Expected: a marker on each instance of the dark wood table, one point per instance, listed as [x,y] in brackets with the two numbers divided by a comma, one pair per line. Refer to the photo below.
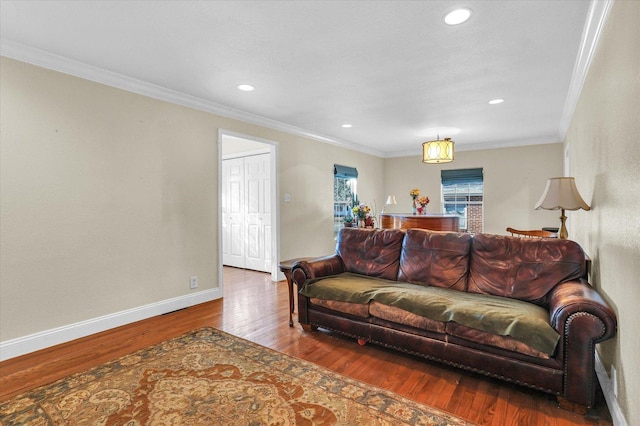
[285,266]
[434,222]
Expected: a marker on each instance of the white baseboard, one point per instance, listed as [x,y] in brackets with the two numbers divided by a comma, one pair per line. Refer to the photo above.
[607,389]
[44,339]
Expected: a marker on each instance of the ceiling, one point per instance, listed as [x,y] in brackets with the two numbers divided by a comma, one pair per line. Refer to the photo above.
[392,69]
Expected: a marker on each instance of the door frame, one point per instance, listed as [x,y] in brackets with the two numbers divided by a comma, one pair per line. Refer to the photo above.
[272,148]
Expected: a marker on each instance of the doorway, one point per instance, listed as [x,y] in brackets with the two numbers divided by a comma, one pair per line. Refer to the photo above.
[248,204]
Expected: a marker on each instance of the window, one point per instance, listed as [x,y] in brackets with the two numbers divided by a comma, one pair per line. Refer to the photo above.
[344,194]
[462,195]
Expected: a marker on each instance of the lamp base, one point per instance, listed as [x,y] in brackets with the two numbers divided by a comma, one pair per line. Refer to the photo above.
[563,228]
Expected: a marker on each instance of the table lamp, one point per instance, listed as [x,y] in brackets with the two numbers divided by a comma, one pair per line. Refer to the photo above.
[391,200]
[561,193]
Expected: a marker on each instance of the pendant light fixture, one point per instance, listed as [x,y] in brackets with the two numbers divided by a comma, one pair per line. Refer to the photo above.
[438,151]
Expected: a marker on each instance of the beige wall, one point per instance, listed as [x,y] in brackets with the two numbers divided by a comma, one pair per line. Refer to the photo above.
[305,171]
[604,146]
[109,199]
[514,179]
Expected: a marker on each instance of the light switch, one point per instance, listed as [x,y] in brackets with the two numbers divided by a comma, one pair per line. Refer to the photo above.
[287,197]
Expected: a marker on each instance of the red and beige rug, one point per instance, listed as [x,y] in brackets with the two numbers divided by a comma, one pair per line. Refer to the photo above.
[208,377]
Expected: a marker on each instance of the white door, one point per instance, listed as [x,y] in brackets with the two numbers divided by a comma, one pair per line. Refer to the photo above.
[246,212]
[258,219]
[233,213]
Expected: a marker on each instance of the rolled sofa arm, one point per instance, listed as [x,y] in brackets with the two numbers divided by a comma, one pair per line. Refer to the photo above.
[583,318]
[571,297]
[319,267]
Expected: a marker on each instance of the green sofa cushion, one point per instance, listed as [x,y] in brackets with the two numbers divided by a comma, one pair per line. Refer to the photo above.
[520,320]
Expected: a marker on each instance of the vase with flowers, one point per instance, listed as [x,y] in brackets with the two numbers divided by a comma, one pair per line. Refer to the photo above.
[421,203]
[414,194]
[361,211]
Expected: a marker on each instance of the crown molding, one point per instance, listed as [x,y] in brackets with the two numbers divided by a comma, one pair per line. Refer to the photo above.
[596,18]
[65,65]
[509,144]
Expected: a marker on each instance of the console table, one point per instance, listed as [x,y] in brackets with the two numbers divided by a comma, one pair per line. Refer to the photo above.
[434,222]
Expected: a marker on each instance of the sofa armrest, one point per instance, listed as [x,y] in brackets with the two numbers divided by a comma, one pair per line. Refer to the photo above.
[582,318]
[571,297]
[315,268]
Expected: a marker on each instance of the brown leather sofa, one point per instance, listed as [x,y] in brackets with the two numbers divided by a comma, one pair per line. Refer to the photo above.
[516,309]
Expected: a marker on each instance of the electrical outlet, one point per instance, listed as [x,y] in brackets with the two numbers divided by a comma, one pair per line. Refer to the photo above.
[614,381]
[193,282]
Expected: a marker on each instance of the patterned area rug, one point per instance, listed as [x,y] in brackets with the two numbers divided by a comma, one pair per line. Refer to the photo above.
[208,377]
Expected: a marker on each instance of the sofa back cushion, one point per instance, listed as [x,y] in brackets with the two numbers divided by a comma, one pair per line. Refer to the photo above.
[522,268]
[439,259]
[372,252]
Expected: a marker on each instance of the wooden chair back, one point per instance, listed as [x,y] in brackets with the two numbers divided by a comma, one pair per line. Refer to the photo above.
[535,233]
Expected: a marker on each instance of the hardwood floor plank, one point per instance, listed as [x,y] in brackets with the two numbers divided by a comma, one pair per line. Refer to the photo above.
[255,308]
[484,402]
[462,400]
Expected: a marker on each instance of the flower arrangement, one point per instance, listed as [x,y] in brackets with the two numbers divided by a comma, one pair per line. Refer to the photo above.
[423,201]
[361,211]
[421,204]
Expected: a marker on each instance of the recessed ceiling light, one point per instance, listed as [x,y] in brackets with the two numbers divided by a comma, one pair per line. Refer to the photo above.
[496,101]
[347,126]
[245,87]
[457,16]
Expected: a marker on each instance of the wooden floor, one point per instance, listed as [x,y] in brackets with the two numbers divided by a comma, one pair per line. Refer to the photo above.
[256,308]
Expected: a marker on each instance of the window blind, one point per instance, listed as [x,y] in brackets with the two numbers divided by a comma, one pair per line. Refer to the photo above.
[461,176]
[345,172]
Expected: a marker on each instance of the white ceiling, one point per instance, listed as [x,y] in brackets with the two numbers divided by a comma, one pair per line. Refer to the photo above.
[392,69]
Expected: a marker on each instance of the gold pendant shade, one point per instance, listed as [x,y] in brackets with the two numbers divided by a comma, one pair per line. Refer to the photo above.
[438,151]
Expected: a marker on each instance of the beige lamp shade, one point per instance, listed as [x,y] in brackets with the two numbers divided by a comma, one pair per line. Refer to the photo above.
[391,200]
[434,152]
[561,193]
